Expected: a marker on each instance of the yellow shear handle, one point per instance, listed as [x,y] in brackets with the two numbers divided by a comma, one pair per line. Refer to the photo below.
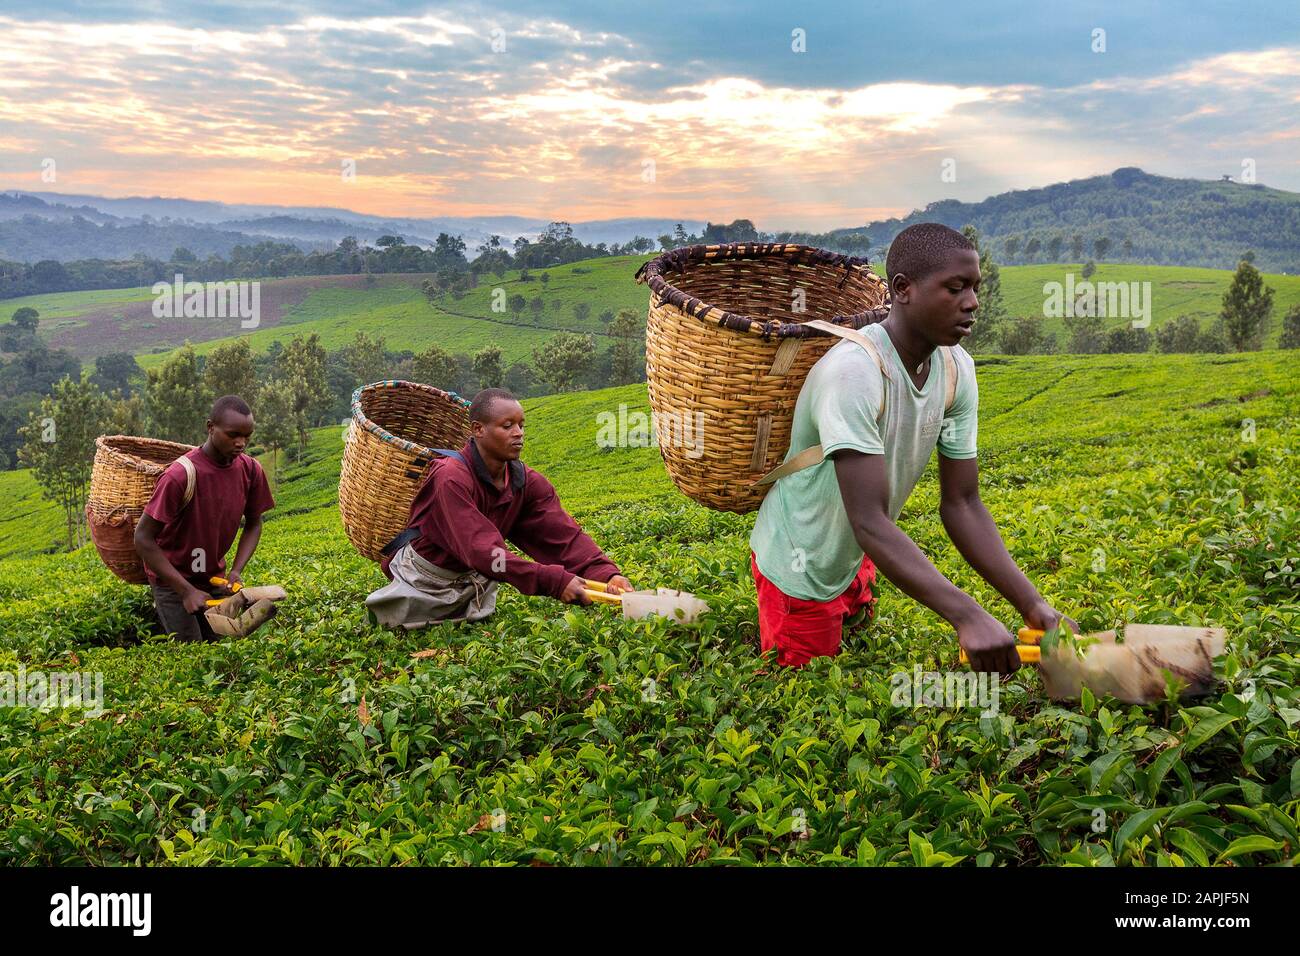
[1029,654]
[234,589]
[598,592]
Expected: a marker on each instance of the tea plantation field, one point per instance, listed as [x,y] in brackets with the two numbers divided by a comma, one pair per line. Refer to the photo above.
[1130,488]
[94,323]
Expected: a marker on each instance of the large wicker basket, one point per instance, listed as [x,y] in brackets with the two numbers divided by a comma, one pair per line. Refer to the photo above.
[390,445]
[122,481]
[726,354]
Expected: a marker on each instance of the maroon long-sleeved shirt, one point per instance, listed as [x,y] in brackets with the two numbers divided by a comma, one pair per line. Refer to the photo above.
[463,521]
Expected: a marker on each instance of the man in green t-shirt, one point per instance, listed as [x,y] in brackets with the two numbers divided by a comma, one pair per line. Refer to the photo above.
[824,529]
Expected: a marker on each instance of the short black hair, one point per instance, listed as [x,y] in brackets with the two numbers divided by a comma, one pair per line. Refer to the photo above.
[229,403]
[920,249]
[481,408]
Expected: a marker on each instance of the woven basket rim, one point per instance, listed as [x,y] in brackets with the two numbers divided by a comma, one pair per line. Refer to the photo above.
[676,260]
[121,458]
[383,434]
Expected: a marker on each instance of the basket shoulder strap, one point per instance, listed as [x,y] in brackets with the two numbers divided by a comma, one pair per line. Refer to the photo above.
[191,479]
[805,459]
[853,335]
[410,533]
[950,378]
[814,455]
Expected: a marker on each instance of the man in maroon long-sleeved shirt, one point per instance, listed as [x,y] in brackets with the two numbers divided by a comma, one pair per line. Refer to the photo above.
[461,518]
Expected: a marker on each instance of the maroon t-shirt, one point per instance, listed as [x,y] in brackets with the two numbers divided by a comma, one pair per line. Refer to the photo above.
[222,496]
[464,520]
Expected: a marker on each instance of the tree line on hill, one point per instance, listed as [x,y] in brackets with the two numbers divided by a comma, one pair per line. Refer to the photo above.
[292,388]
[390,254]
[1134,216]
[158,402]
[300,385]
[1244,317]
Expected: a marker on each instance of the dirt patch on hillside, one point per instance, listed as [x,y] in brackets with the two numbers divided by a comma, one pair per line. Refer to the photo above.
[132,326]
[1258,393]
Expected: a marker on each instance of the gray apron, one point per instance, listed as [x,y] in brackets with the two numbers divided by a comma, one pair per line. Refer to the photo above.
[422,593]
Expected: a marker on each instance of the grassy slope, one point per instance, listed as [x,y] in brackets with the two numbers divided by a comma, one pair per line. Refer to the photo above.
[543,712]
[29,523]
[406,320]
[1175,291]
[401,315]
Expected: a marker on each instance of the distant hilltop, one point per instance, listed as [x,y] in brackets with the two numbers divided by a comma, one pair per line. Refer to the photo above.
[1127,216]
[1140,217]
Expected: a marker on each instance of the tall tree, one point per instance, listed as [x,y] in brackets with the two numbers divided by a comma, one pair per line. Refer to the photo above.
[126,416]
[1247,306]
[365,359]
[487,367]
[1290,338]
[229,371]
[1178,335]
[26,318]
[1076,247]
[59,447]
[302,365]
[564,359]
[1054,249]
[1100,246]
[437,367]
[1032,247]
[1023,335]
[1011,244]
[175,401]
[623,353]
[1087,335]
[116,372]
[276,420]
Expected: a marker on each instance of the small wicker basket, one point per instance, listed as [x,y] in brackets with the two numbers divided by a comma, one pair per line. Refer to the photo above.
[122,481]
[390,445]
[726,354]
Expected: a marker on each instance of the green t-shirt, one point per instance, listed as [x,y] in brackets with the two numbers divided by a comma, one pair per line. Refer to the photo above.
[802,540]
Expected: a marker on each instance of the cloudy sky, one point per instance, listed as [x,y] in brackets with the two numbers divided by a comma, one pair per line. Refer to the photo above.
[795,115]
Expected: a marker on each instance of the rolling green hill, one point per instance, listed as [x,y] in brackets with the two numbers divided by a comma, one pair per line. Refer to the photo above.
[1189,222]
[92,323]
[1175,291]
[1125,486]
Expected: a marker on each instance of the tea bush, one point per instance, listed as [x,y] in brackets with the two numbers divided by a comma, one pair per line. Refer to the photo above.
[1130,488]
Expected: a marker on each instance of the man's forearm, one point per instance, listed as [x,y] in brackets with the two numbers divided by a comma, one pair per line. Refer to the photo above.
[247,545]
[900,560]
[971,528]
[153,556]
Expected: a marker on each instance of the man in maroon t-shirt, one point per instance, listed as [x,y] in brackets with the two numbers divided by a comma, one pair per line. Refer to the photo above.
[456,551]
[184,545]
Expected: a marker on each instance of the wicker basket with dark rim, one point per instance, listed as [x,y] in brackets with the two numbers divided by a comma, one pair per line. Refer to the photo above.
[726,354]
[122,481]
[390,445]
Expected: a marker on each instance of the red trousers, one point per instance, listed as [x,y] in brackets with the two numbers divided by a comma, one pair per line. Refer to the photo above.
[801,630]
